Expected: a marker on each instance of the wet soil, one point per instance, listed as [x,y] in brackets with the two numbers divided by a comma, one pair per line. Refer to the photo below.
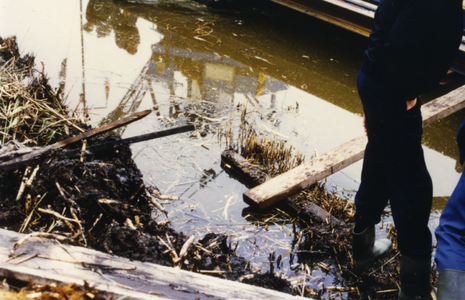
[100,201]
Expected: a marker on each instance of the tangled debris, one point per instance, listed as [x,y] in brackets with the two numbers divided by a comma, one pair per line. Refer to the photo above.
[31,111]
[98,201]
[69,291]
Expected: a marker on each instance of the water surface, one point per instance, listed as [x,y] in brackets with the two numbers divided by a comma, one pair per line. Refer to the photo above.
[193,65]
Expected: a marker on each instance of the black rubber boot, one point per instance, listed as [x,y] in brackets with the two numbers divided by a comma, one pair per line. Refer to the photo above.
[415,279]
[451,284]
[366,249]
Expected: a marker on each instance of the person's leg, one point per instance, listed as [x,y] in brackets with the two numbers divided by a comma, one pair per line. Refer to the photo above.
[450,234]
[410,195]
[371,198]
[450,252]
[410,185]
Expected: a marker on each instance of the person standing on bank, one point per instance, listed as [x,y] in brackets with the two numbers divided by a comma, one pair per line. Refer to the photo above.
[411,47]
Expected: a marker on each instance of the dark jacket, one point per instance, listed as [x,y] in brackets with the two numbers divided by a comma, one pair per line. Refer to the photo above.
[413,44]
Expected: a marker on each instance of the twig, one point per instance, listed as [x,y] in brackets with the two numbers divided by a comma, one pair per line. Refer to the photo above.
[59,216]
[185,247]
[118,284]
[392,258]
[83,150]
[172,251]
[155,202]
[22,187]
[59,115]
[26,259]
[37,234]
[225,211]
[28,219]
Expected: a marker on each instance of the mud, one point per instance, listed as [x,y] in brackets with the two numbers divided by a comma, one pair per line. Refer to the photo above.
[107,196]
[100,201]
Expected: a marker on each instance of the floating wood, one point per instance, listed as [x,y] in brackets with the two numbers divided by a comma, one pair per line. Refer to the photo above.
[253,175]
[311,172]
[131,140]
[31,156]
[45,261]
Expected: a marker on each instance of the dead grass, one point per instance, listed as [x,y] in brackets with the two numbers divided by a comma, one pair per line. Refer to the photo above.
[70,291]
[31,112]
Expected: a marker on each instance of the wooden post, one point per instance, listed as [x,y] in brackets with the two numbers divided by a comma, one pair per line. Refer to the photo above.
[303,176]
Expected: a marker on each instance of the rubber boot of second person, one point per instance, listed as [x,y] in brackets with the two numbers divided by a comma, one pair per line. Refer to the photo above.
[415,279]
[366,249]
[451,284]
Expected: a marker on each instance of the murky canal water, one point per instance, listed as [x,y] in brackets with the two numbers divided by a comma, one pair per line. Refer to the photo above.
[295,74]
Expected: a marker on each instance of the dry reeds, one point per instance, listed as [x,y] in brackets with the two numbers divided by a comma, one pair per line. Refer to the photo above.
[274,155]
[31,112]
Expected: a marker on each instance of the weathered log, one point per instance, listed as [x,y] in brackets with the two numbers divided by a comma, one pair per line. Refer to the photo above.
[251,174]
[46,261]
[254,175]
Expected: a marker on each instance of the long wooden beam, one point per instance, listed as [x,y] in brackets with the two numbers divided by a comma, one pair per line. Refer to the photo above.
[313,9]
[303,176]
[31,156]
[45,261]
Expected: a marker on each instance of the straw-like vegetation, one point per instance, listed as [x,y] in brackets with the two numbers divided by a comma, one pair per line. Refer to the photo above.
[31,112]
[275,156]
[272,154]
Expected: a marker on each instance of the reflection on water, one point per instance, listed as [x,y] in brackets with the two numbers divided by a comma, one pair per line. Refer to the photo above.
[104,17]
[295,75]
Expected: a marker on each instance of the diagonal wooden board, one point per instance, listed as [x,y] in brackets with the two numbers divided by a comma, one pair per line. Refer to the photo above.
[303,176]
[29,157]
[47,261]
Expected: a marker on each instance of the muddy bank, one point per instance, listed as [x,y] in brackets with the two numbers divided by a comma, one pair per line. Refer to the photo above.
[97,200]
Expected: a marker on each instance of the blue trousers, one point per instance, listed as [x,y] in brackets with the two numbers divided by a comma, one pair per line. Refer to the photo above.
[450,253]
[394,168]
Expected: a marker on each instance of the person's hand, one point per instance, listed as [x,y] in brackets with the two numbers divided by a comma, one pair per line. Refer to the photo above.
[365,124]
[411,103]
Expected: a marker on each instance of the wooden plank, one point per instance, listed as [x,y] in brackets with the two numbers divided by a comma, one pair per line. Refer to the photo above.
[303,176]
[131,140]
[45,261]
[330,16]
[30,157]
[443,106]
